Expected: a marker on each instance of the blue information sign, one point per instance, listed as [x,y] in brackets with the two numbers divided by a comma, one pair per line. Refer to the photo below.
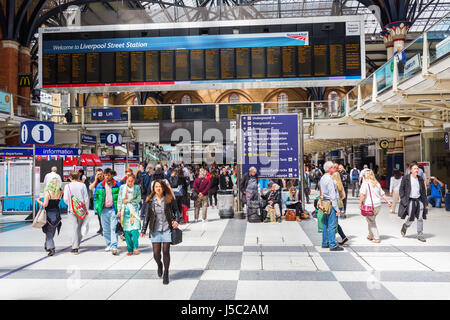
[447,142]
[16,152]
[106,114]
[87,139]
[270,144]
[37,132]
[113,139]
[57,152]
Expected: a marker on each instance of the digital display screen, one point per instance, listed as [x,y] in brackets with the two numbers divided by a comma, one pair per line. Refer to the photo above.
[205,56]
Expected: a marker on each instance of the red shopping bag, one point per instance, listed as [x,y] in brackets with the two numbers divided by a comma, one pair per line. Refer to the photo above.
[185,216]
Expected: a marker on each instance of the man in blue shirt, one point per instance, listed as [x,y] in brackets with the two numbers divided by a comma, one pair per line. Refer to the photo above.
[436,187]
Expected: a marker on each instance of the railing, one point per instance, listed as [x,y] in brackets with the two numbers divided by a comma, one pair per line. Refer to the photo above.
[431,46]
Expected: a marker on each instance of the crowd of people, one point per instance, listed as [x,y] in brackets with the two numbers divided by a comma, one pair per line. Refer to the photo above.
[155,199]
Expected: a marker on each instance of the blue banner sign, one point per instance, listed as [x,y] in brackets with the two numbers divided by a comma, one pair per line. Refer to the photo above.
[16,152]
[37,132]
[179,42]
[105,114]
[87,139]
[5,102]
[57,152]
[270,144]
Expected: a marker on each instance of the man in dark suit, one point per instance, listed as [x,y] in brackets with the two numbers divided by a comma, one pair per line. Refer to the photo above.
[413,201]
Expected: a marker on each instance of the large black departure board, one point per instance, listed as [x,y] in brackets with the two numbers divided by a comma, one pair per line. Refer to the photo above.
[197,59]
[64,65]
[93,67]
[78,68]
[210,57]
[167,67]
[152,67]
[137,61]
[181,63]
[122,66]
[212,66]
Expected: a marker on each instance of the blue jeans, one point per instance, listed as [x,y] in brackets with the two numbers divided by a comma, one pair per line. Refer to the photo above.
[109,223]
[329,229]
[435,202]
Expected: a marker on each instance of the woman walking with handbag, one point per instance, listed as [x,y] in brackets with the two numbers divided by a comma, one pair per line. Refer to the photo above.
[52,197]
[163,217]
[75,196]
[371,194]
[128,208]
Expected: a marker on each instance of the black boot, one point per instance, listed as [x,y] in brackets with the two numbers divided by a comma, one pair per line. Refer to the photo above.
[166,277]
[160,270]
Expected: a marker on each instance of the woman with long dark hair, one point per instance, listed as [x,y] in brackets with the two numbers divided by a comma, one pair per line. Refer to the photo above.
[213,188]
[162,216]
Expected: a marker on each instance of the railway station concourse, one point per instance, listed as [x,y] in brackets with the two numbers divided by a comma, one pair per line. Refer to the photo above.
[131,87]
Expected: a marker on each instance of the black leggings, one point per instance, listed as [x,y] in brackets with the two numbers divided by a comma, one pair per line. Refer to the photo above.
[211,195]
[166,255]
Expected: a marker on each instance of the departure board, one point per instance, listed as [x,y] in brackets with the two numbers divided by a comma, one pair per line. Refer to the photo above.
[152,66]
[352,58]
[93,67]
[212,70]
[197,59]
[181,63]
[137,63]
[273,62]
[298,52]
[289,59]
[167,65]
[243,63]
[107,67]
[336,59]
[64,73]
[229,111]
[122,66]
[78,68]
[49,67]
[320,60]
[304,64]
[227,62]
[258,62]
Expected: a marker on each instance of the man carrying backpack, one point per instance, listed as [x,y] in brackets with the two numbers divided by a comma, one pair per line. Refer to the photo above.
[317,174]
[354,174]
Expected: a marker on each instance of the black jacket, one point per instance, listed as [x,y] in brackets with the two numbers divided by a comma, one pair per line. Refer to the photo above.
[276,197]
[405,191]
[214,185]
[223,185]
[172,214]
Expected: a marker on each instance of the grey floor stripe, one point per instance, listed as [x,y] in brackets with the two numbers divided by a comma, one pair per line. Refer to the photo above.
[424,248]
[192,248]
[375,249]
[367,291]
[341,261]
[286,275]
[310,228]
[226,261]
[215,290]
[234,233]
[414,276]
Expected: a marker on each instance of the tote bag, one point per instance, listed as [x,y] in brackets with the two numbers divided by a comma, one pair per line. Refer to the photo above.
[41,219]
[367,210]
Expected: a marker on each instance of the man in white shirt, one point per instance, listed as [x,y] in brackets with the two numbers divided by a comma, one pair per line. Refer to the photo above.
[49,176]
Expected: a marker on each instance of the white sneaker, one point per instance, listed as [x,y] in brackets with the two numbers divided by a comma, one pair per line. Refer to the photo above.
[107,249]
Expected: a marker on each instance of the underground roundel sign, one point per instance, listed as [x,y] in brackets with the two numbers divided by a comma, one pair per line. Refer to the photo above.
[37,132]
[113,139]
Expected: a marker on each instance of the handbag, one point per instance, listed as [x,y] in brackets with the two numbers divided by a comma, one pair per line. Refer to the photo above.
[119,229]
[194,195]
[368,210]
[41,219]
[324,206]
[290,215]
[177,236]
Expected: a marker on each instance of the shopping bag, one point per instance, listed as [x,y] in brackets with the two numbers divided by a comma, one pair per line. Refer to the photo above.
[41,219]
[185,215]
[320,215]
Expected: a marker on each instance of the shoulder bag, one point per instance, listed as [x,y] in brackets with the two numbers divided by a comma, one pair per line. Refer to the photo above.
[41,219]
[324,206]
[78,206]
[368,210]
